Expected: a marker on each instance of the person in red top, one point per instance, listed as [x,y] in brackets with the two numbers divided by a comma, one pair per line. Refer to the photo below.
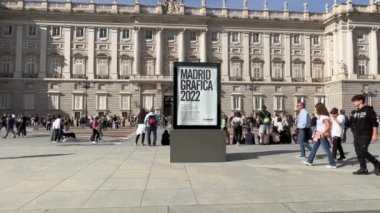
[95,137]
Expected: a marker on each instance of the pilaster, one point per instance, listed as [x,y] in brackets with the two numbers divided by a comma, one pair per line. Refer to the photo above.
[91,53]
[115,7]
[67,53]
[307,58]
[350,54]
[19,44]
[267,58]
[203,45]
[91,6]
[225,55]
[43,45]
[374,55]
[327,54]
[181,46]
[246,57]
[114,53]
[159,52]
[288,75]
[136,53]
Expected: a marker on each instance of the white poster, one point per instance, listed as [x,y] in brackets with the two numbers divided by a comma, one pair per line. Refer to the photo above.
[197,96]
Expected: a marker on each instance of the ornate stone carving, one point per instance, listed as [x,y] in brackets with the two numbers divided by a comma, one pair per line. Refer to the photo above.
[265,4]
[224,3]
[286,6]
[172,6]
[245,3]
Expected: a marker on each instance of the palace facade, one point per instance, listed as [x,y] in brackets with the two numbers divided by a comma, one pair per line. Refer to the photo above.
[105,59]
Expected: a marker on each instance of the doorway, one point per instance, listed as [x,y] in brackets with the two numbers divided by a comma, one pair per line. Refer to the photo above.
[168,106]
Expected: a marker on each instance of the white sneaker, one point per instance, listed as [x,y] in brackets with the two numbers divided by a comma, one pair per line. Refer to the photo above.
[93,141]
[307,163]
[64,140]
[330,167]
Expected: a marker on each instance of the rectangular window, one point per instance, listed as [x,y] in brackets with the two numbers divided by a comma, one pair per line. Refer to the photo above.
[148,102]
[29,101]
[79,67]
[78,102]
[318,71]
[277,71]
[362,67]
[257,102]
[30,65]
[236,70]
[255,38]
[32,31]
[171,36]
[257,71]
[53,101]
[298,70]
[276,39]
[296,39]
[102,102]
[235,37]
[103,33]
[56,31]
[126,68]
[55,66]
[148,35]
[6,65]
[4,101]
[278,103]
[126,34]
[193,36]
[103,68]
[319,99]
[215,37]
[125,102]
[360,35]
[316,40]
[79,32]
[149,67]
[8,30]
[236,102]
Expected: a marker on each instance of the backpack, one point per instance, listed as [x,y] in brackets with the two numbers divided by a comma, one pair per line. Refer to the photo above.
[152,120]
[237,124]
[266,119]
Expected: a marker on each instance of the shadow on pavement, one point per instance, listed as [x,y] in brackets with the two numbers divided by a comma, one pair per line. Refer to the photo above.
[34,156]
[252,155]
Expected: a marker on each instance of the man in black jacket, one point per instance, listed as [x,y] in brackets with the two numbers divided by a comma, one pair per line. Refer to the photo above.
[365,125]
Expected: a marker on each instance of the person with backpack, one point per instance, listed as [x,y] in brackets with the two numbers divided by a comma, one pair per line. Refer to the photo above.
[151,121]
[366,127]
[265,125]
[237,123]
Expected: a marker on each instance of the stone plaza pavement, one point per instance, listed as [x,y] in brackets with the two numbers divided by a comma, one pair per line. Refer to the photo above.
[116,176]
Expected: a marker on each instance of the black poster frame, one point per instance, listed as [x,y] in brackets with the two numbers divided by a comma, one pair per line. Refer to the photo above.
[175,95]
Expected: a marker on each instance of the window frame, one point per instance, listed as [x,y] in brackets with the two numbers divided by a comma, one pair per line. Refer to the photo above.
[274,35]
[83,33]
[29,27]
[126,63]
[5,30]
[278,100]
[238,37]
[80,104]
[296,39]
[144,104]
[236,102]
[360,32]
[4,62]
[363,64]
[281,69]
[148,35]
[29,101]
[100,30]
[51,105]
[100,106]
[257,100]
[171,37]
[54,30]
[6,104]
[258,38]
[123,104]
[212,36]
[314,37]
[193,37]
[129,37]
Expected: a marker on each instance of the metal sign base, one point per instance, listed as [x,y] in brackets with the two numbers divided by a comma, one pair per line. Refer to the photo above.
[189,146]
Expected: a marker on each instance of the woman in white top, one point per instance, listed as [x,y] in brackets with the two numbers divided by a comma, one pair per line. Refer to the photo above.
[322,136]
[237,124]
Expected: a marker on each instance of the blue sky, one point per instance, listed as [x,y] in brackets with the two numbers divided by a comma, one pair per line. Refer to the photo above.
[295,5]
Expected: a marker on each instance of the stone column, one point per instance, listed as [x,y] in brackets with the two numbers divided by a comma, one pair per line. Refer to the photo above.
[307,58]
[203,46]
[67,53]
[374,55]
[350,54]
[246,57]
[327,67]
[91,54]
[43,45]
[136,53]
[181,46]
[114,53]
[159,52]
[225,56]
[288,62]
[19,44]
[336,53]
[267,58]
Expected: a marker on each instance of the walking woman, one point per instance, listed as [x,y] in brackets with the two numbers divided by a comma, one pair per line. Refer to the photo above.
[225,129]
[322,136]
[141,127]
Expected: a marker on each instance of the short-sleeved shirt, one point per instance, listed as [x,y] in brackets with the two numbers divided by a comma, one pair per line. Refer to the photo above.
[337,129]
[320,123]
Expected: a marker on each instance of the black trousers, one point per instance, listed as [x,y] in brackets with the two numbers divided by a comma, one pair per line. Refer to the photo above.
[238,134]
[361,143]
[337,145]
[142,138]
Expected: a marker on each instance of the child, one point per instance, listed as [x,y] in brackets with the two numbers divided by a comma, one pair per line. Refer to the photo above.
[249,137]
[165,139]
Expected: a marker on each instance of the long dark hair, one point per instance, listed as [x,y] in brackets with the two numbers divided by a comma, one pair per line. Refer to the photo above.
[321,109]
[142,113]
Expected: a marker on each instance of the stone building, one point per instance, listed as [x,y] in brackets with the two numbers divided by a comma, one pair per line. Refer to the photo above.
[74,58]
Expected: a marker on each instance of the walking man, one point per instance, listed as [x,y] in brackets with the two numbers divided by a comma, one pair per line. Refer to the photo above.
[265,120]
[57,129]
[303,129]
[151,121]
[365,125]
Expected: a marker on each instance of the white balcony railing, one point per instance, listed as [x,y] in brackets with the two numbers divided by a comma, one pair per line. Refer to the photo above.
[126,8]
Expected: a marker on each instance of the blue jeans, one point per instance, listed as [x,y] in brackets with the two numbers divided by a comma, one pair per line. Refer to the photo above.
[303,141]
[326,146]
[150,130]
